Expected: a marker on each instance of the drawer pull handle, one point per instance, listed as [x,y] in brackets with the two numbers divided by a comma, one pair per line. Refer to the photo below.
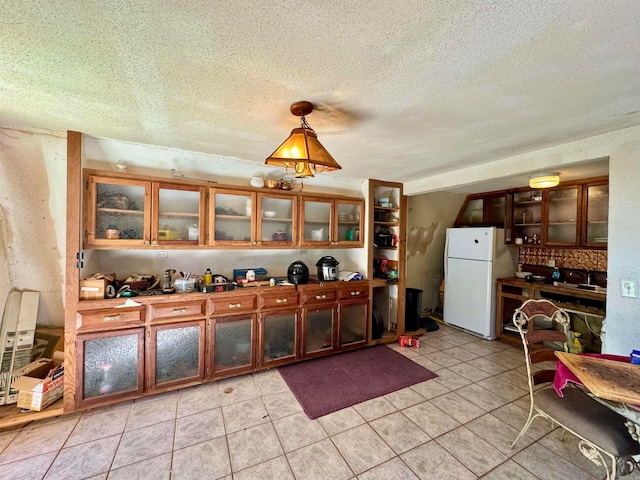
[111,318]
[176,311]
[321,297]
[234,305]
[281,300]
[357,292]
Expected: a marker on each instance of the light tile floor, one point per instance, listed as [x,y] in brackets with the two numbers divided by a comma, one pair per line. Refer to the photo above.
[457,426]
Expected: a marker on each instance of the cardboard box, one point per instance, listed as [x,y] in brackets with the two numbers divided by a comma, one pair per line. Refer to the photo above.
[40,383]
[92,289]
[409,341]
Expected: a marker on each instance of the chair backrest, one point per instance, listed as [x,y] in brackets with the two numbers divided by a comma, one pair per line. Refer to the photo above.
[535,350]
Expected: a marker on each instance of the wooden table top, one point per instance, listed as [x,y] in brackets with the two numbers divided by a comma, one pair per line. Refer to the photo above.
[608,379]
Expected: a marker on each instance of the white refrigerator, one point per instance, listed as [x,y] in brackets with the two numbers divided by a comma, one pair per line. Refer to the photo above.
[474,258]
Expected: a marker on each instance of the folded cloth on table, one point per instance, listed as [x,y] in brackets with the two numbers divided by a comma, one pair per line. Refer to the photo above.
[564,375]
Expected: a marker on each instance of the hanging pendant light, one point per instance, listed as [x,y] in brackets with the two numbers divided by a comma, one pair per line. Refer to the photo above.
[302,154]
[544,180]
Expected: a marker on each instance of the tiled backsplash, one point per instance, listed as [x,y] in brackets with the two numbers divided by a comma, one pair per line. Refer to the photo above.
[579,259]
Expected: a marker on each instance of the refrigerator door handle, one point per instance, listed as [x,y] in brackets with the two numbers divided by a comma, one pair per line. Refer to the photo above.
[446,256]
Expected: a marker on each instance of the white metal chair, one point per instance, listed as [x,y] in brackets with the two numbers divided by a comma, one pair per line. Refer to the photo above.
[601,432]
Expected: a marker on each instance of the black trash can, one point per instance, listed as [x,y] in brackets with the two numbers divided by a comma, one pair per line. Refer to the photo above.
[413,303]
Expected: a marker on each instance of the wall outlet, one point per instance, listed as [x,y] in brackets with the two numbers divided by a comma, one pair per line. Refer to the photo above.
[628,288]
[551,263]
[162,254]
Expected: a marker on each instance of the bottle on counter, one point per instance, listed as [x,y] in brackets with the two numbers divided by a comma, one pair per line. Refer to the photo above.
[208,277]
[556,274]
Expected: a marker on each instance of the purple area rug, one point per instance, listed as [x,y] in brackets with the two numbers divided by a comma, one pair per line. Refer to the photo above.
[325,385]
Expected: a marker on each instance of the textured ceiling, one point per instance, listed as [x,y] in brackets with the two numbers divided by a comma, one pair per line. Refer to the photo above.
[404,90]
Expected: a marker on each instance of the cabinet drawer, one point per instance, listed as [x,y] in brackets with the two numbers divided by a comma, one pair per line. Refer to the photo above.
[233,304]
[321,295]
[101,319]
[278,300]
[176,310]
[353,292]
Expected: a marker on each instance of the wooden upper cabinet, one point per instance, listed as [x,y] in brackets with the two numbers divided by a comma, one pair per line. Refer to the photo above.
[569,215]
[316,221]
[348,225]
[123,212]
[117,212]
[232,217]
[276,220]
[595,220]
[136,211]
[178,214]
[561,215]
[331,222]
[483,210]
[524,216]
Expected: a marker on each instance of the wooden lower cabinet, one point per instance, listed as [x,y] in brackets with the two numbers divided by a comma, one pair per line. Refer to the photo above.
[278,337]
[318,330]
[233,344]
[353,321]
[176,354]
[580,304]
[185,339]
[110,366]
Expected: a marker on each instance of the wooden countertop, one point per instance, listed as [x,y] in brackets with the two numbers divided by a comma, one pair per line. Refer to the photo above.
[560,288]
[608,379]
[181,297]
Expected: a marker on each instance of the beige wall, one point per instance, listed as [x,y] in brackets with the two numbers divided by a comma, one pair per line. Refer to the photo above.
[428,218]
[32,209]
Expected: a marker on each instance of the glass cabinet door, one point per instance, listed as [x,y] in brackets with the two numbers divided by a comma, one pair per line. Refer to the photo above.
[232,217]
[526,217]
[276,220]
[496,210]
[597,214]
[349,223]
[232,343]
[318,331]
[111,365]
[178,216]
[473,214]
[120,214]
[316,221]
[353,324]
[278,337]
[562,224]
[177,353]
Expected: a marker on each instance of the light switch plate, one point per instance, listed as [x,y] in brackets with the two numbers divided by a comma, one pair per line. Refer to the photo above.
[628,288]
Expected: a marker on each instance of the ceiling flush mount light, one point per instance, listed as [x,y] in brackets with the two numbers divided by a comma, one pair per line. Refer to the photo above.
[302,154]
[544,180]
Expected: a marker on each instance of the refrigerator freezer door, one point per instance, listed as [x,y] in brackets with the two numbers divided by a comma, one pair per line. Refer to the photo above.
[468,296]
[471,243]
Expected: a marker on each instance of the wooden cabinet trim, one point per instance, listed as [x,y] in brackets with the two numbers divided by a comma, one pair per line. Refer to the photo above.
[104,319]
